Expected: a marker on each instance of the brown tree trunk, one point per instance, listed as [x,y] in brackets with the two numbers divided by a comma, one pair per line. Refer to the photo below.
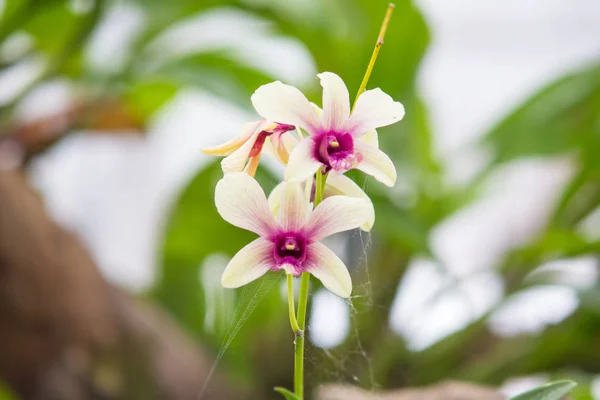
[65,333]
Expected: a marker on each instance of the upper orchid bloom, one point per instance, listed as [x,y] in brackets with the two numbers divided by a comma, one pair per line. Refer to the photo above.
[335,136]
[289,241]
[249,144]
[337,184]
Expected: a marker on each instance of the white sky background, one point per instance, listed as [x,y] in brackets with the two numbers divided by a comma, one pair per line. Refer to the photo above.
[485,57]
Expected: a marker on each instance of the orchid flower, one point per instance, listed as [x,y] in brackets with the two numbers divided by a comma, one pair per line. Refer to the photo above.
[337,184]
[249,145]
[289,241]
[334,141]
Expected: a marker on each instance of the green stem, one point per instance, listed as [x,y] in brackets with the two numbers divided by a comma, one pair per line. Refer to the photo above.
[378,45]
[292,308]
[299,342]
[303,304]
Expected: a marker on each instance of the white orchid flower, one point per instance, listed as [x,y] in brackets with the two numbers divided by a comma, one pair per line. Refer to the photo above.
[334,141]
[290,240]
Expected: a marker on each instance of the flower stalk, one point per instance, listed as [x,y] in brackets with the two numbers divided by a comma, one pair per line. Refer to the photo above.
[292,307]
[378,44]
[302,305]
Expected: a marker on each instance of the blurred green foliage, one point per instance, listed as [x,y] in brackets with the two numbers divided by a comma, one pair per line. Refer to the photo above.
[561,119]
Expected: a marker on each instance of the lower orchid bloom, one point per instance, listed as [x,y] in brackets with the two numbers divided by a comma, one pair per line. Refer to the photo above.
[243,152]
[289,241]
[336,138]
[337,185]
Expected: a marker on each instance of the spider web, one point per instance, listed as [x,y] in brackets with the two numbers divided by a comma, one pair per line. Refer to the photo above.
[351,356]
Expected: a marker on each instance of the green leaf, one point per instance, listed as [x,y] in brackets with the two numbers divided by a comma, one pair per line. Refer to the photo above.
[551,391]
[286,393]
[216,73]
[147,97]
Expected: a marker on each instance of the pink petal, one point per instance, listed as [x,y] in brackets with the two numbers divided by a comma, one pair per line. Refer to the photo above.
[373,109]
[336,102]
[293,211]
[250,263]
[375,163]
[302,163]
[285,104]
[329,269]
[241,201]
[337,214]
[340,184]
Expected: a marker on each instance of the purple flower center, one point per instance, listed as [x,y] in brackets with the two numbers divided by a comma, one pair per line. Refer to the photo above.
[290,248]
[335,150]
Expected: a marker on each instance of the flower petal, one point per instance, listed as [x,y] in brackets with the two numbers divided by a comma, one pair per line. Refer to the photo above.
[329,269]
[285,104]
[236,161]
[372,110]
[275,198]
[230,146]
[302,163]
[293,211]
[250,263]
[375,163]
[337,214]
[280,146]
[241,201]
[371,138]
[336,101]
[340,184]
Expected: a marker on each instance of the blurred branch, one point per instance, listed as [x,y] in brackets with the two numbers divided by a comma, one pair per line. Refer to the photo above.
[66,333]
[23,141]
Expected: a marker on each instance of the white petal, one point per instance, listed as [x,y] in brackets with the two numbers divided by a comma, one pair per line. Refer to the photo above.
[302,164]
[241,201]
[250,263]
[375,163]
[285,104]
[275,198]
[229,147]
[317,109]
[236,161]
[336,101]
[329,269]
[337,214]
[371,138]
[339,184]
[293,212]
[373,109]
[276,193]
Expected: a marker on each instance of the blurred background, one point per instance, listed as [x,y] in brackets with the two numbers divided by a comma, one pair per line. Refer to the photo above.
[484,262]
